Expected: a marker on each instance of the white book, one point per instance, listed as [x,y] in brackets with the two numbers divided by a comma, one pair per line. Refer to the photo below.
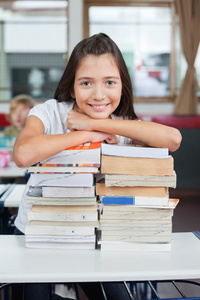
[63,213]
[127,150]
[61,238]
[138,238]
[140,180]
[56,179]
[66,217]
[34,196]
[60,228]
[52,191]
[68,246]
[87,153]
[63,169]
[131,246]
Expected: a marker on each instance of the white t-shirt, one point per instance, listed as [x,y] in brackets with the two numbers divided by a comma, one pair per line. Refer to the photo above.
[53,114]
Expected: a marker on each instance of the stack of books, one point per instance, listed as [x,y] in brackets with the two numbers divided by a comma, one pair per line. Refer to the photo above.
[134,192]
[64,211]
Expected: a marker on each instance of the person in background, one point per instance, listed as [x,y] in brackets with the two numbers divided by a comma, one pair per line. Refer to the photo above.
[19,109]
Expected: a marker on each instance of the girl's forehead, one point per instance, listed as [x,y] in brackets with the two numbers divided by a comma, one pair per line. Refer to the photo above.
[106,60]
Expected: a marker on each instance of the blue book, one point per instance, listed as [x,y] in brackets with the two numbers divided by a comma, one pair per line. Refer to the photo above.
[118,200]
[131,200]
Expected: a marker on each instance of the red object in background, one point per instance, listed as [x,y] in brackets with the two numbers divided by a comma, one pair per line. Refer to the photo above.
[173,120]
[155,74]
[3,120]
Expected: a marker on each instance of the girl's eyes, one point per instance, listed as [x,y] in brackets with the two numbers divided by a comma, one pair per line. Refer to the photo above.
[85,83]
[110,82]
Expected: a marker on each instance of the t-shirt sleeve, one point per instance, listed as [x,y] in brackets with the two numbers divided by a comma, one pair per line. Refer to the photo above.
[40,111]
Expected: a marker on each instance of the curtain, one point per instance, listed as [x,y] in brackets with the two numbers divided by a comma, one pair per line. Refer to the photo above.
[189,16]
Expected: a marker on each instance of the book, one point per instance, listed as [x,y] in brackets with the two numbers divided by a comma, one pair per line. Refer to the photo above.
[56,191]
[87,153]
[137,166]
[64,168]
[133,191]
[81,242]
[122,202]
[34,196]
[127,200]
[55,179]
[45,244]
[63,213]
[141,180]
[126,150]
[138,238]
[157,214]
[132,246]
[60,228]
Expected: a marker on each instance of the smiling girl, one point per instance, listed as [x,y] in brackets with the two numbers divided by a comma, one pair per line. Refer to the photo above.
[93,102]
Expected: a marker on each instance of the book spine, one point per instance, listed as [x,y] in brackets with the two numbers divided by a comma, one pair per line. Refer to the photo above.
[62,217]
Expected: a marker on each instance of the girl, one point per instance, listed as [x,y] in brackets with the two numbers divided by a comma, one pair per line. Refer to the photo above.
[19,109]
[93,102]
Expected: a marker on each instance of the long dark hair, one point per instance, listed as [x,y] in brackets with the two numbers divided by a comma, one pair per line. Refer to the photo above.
[97,44]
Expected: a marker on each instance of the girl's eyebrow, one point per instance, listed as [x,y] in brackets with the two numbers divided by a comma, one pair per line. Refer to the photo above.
[89,78]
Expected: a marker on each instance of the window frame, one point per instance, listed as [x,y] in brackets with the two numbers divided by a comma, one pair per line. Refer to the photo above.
[139,3]
[4,101]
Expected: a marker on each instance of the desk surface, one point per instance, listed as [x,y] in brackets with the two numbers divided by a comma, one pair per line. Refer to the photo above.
[12,197]
[20,264]
[12,171]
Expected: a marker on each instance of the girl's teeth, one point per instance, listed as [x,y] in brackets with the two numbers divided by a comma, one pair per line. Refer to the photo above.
[102,106]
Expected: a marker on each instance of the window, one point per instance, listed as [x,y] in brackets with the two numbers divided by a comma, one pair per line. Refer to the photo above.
[33,45]
[145,33]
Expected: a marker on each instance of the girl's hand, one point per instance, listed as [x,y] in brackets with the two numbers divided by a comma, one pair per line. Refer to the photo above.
[78,121]
[97,136]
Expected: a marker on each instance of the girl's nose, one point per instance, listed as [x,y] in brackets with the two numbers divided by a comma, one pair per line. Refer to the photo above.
[98,93]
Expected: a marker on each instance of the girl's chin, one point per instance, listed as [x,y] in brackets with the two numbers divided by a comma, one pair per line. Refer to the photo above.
[99,115]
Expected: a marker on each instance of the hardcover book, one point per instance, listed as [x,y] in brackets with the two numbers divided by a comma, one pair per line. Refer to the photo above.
[137,166]
[87,153]
[126,150]
[101,189]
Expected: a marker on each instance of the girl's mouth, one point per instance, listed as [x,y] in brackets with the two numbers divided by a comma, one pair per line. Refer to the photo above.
[99,107]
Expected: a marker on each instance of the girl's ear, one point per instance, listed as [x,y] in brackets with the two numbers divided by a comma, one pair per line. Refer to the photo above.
[72,94]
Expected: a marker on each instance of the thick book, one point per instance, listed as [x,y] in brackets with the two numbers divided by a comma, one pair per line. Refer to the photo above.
[137,166]
[77,180]
[138,238]
[132,246]
[146,201]
[133,191]
[60,228]
[56,191]
[141,180]
[47,242]
[64,168]
[34,196]
[87,153]
[137,213]
[66,246]
[63,213]
[152,203]
[133,151]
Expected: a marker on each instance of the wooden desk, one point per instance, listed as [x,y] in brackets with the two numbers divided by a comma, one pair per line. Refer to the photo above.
[20,264]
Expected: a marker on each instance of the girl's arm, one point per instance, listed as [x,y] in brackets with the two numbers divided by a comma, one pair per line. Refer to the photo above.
[33,146]
[147,133]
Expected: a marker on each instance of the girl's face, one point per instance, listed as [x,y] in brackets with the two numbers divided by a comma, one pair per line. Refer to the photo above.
[97,86]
